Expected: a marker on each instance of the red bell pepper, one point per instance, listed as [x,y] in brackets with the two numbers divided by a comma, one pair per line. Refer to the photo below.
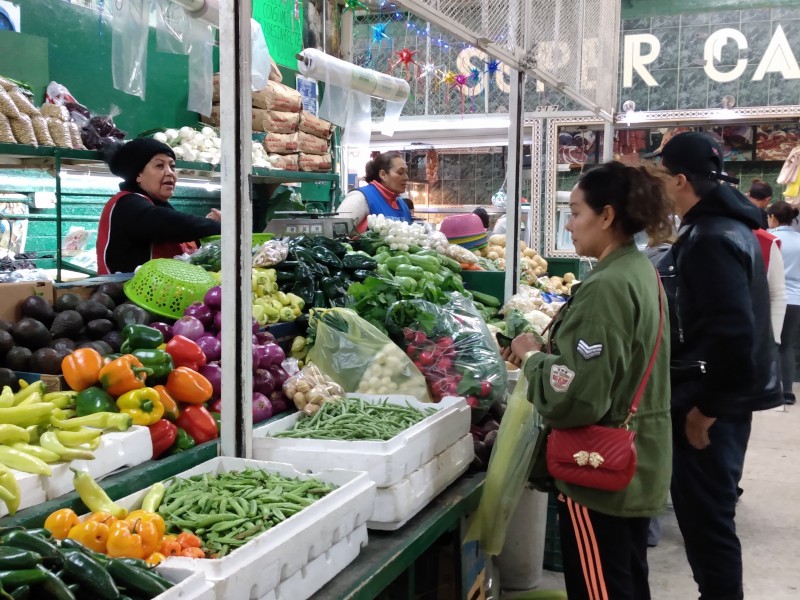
[198,423]
[163,434]
[185,353]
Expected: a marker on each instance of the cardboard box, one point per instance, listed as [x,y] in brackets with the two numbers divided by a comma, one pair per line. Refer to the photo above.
[13,294]
[52,383]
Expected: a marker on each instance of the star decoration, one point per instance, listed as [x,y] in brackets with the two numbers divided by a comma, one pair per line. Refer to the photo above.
[459,81]
[447,77]
[379,33]
[426,71]
[493,66]
[475,75]
[405,58]
[353,5]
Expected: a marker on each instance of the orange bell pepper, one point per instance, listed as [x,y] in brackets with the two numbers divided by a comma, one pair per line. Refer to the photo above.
[82,368]
[60,522]
[193,553]
[123,542]
[155,518]
[155,559]
[124,374]
[91,534]
[170,546]
[189,540]
[171,409]
[189,386]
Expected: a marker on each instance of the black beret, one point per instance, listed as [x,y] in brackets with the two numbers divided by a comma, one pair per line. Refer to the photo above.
[129,159]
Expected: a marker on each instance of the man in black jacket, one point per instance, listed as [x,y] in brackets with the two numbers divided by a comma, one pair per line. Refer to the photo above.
[724,360]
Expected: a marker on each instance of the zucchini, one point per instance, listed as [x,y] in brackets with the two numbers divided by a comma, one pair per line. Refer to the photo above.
[485,299]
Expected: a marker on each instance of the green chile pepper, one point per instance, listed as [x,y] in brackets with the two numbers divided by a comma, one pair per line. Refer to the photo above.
[94,400]
[182,443]
[359,261]
[140,337]
[90,574]
[159,361]
[53,587]
[27,541]
[13,578]
[17,558]
[136,580]
[326,257]
[23,592]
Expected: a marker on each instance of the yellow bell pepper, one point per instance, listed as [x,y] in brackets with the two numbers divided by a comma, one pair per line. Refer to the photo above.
[143,406]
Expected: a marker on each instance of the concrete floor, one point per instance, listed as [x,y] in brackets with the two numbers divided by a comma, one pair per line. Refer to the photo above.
[768,520]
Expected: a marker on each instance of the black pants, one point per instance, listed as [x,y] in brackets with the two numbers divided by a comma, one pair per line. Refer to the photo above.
[791,324]
[605,557]
[704,496]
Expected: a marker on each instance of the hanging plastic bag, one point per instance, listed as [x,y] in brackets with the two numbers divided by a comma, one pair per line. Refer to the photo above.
[172,27]
[360,358]
[453,348]
[262,62]
[517,443]
[130,26]
[201,67]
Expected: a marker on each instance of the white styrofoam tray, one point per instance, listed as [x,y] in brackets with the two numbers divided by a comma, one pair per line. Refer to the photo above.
[388,462]
[257,568]
[116,450]
[396,505]
[189,585]
[31,490]
[310,578]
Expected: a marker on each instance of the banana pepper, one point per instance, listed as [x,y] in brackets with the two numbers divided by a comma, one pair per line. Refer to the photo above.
[143,405]
[81,368]
[9,489]
[123,375]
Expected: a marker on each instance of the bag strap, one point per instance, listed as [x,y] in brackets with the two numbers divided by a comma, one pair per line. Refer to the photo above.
[643,384]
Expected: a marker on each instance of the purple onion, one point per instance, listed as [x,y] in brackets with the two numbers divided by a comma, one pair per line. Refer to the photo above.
[263,382]
[201,312]
[262,407]
[213,298]
[256,326]
[219,336]
[273,355]
[218,321]
[213,372]
[189,327]
[265,337]
[279,402]
[215,405]
[278,374]
[210,346]
[164,328]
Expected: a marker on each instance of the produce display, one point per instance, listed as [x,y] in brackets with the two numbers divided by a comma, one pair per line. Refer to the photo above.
[310,388]
[353,419]
[227,510]
[532,266]
[204,145]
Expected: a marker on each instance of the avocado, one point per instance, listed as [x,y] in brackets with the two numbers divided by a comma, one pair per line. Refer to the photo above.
[31,334]
[97,328]
[6,325]
[46,360]
[36,307]
[8,378]
[113,291]
[130,314]
[6,342]
[67,302]
[63,344]
[67,324]
[113,339]
[91,310]
[101,347]
[104,300]
[18,358]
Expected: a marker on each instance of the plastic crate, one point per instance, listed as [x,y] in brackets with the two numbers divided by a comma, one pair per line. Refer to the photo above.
[552,538]
[487,282]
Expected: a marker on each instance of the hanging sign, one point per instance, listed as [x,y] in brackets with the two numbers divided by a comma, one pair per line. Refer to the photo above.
[282,23]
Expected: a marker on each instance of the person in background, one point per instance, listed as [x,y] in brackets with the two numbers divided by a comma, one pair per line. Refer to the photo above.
[386,176]
[781,215]
[724,359]
[760,194]
[410,204]
[602,342]
[484,216]
[139,223]
[500,226]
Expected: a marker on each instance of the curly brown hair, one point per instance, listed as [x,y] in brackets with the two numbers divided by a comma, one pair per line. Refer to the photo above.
[638,194]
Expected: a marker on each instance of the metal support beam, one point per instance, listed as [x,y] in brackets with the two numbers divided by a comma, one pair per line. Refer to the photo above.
[514,178]
[608,141]
[237,222]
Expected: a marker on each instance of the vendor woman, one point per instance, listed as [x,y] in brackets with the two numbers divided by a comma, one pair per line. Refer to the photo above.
[387,176]
[139,223]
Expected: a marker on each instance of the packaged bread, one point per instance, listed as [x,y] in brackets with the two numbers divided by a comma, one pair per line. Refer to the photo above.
[280,143]
[23,103]
[315,163]
[275,121]
[315,126]
[22,128]
[274,72]
[7,106]
[54,111]
[6,135]
[60,133]
[277,96]
[287,162]
[213,118]
[311,144]
[42,131]
[75,136]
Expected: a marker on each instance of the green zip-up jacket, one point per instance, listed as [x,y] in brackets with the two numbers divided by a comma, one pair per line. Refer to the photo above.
[601,346]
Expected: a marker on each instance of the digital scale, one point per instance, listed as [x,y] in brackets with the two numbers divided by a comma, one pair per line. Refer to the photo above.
[294,223]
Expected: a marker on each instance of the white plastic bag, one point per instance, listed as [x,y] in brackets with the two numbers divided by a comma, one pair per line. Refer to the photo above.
[262,62]
[130,26]
[201,67]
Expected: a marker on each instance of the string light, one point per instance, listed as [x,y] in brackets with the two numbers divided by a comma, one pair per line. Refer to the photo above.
[419,31]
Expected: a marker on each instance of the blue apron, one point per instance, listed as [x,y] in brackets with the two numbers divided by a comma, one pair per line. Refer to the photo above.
[379,206]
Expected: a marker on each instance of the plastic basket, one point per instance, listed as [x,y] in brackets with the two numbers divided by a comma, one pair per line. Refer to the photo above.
[258,238]
[552,538]
[166,287]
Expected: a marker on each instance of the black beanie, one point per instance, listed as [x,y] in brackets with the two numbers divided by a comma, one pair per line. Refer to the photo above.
[129,159]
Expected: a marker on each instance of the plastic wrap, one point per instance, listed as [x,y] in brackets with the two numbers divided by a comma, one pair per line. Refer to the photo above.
[40,128]
[6,135]
[7,106]
[129,31]
[23,103]
[361,358]
[262,62]
[59,132]
[23,130]
[453,348]
[270,253]
[75,135]
[310,388]
[172,25]
[518,438]
[201,67]
[55,111]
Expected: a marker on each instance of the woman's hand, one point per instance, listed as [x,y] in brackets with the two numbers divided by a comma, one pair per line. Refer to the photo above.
[214,215]
[520,346]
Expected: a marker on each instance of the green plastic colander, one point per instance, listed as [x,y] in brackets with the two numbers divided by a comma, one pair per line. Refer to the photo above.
[166,287]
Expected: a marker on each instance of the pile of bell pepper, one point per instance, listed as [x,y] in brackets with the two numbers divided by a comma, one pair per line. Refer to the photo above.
[156,384]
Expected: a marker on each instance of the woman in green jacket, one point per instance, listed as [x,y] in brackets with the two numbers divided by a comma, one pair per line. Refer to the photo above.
[601,344]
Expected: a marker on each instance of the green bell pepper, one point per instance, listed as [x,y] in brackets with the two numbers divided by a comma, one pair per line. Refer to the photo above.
[140,337]
[430,264]
[94,400]
[218,419]
[182,443]
[409,271]
[159,361]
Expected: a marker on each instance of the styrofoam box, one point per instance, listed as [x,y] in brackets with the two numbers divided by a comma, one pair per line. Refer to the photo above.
[310,578]
[116,450]
[31,490]
[189,585]
[388,462]
[396,505]
[258,567]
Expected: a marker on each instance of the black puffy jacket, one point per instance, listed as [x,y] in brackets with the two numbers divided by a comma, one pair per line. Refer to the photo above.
[724,358]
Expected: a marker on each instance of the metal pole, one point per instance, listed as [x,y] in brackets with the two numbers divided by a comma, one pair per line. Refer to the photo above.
[514,166]
[237,148]
[59,228]
[608,141]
